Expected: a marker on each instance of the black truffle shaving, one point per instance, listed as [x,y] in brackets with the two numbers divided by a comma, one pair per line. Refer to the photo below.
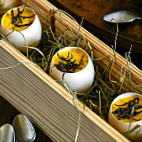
[19,17]
[69,66]
[125,113]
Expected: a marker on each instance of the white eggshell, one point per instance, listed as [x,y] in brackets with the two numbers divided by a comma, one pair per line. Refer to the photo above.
[123,127]
[79,81]
[28,37]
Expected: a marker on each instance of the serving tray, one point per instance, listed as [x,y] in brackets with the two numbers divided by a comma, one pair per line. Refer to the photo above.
[44,101]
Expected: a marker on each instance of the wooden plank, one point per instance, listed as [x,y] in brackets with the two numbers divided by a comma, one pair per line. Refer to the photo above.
[42,4]
[47,103]
[43,9]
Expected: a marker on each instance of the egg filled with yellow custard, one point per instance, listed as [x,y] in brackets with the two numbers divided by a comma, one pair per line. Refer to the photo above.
[126,114]
[74,66]
[22,27]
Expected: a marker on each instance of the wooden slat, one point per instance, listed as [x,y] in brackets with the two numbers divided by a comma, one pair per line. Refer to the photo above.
[43,9]
[46,103]
[42,4]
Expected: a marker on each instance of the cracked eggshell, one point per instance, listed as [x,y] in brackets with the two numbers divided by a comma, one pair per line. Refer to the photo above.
[123,127]
[79,81]
[30,36]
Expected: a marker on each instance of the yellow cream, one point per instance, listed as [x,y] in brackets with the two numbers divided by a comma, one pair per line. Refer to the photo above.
[126,100]
[7,19]
[77,56]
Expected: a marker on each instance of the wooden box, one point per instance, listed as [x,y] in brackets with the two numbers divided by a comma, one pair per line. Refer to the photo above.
[45,102]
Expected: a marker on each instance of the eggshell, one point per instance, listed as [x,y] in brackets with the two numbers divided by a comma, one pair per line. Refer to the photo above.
[79,81]
[123,127]
[28,37]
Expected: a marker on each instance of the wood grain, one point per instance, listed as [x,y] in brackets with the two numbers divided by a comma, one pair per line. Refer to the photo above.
[7,111]
[46,103]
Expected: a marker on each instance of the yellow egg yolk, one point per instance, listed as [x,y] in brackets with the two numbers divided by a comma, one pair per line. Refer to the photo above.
[71,61]
[18,21]
[123,103]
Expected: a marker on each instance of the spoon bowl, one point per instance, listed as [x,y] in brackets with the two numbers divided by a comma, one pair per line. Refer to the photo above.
[7,133]
[121,17]
[24,129]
